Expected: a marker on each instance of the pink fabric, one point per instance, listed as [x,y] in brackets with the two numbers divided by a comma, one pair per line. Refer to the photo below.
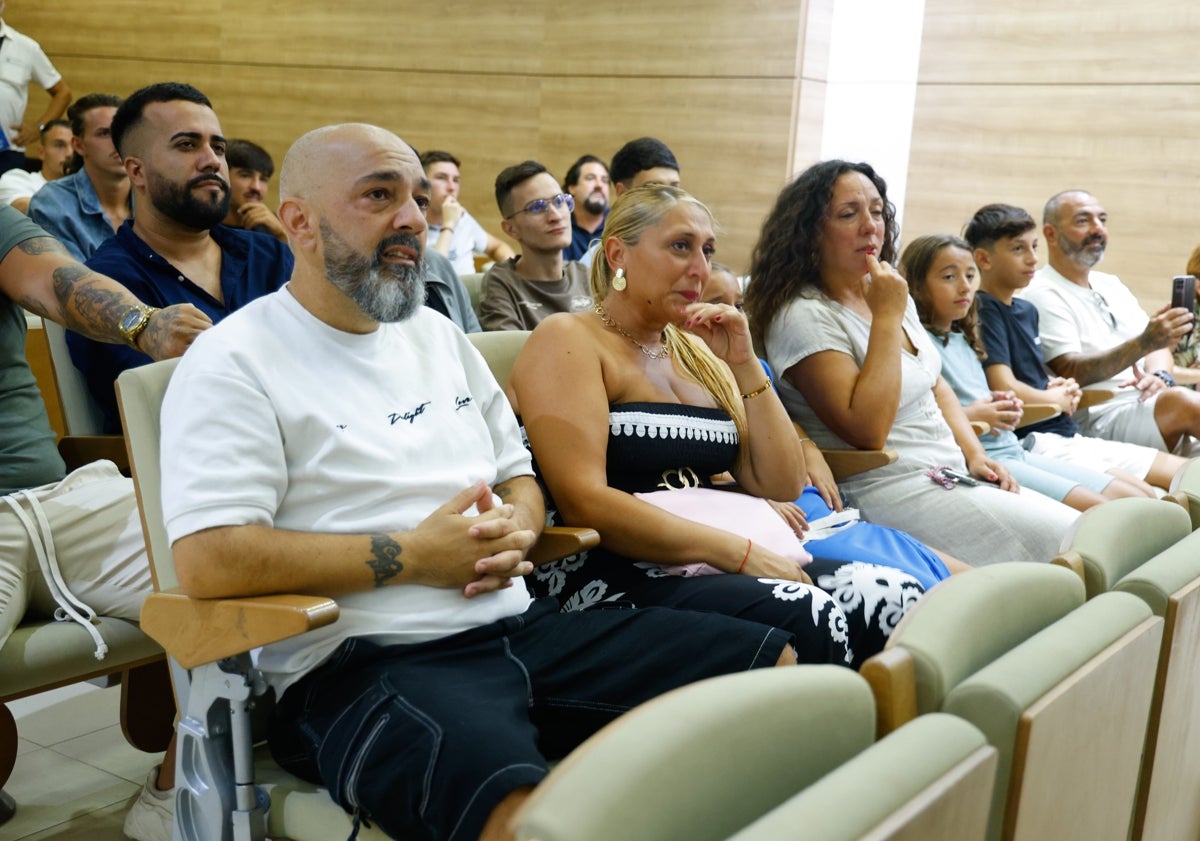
[750,516]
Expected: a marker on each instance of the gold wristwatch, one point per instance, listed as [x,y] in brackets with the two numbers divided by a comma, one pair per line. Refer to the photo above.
[134,323]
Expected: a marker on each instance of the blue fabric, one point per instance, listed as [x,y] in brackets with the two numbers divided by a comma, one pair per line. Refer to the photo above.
[581,240]
[1010,337]
[252,265]
[962,370]
[69,210]
[872,544]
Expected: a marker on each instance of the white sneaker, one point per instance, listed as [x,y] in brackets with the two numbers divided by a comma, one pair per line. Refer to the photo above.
[152,815]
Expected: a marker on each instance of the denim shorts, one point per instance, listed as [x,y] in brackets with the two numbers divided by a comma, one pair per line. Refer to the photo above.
[426,740]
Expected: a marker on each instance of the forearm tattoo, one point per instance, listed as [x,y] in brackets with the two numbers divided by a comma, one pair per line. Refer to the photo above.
[88,303]
[385,562]
[90,306]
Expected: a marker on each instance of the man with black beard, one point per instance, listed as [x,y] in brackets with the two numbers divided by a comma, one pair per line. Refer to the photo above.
[587,182]
[175,250]
[1093,330]
[376,458]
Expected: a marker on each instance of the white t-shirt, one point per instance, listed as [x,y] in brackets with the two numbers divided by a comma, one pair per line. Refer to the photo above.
[468,238]
[19,184]
[920,434]
[21,61]
[1072,319]
[275,418]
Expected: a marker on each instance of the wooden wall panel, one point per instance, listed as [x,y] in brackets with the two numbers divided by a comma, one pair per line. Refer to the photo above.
[1060,42]
[686,38]
[731,145]
[718,80]
[1017,104]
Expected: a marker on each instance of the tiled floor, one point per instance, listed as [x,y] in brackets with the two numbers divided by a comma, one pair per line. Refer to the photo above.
[75,775]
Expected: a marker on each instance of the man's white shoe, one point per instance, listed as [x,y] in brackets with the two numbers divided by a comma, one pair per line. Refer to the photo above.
[151,816]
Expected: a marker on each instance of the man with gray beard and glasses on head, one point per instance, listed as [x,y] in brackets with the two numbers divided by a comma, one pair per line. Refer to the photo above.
[338,437]
[1092,329]
[175,249]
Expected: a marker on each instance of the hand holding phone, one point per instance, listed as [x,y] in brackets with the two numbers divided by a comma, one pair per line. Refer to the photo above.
[1183,294]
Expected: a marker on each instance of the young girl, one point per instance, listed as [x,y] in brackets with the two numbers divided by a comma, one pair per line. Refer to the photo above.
[941,277]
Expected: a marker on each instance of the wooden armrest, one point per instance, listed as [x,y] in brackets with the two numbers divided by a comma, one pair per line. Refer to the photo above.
[199,631]
[1034,412]
[1073,561]
[78,450]
[847,463]
[560,542]
[981,427]
[1092,396]
[893,681]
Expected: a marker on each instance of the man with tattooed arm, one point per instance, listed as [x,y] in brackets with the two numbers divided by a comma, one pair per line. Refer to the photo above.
[91,513]
[377,459]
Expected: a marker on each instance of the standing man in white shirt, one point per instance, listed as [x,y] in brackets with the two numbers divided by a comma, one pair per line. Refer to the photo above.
[1093,330]
[17,186]
[22,61]
[453,232]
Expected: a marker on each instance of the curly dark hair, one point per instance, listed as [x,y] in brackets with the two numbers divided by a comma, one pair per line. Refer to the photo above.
[787,257]
[916,263]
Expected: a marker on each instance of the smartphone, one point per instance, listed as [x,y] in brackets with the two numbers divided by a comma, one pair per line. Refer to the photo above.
[1183,294]
[960,478]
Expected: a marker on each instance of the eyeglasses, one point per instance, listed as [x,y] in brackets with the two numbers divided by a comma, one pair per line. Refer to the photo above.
[1102,305]
[539,206]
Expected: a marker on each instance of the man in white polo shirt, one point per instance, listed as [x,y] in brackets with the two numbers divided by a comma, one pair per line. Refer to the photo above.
[22,61]
[1093,329]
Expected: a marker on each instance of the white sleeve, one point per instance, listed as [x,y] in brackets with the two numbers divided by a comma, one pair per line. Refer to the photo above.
[1057,327]
[15,184]
[479,237]
[219,468]
[44,73]
[805,326]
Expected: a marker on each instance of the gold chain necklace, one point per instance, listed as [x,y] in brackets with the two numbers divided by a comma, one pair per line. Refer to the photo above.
[663,353]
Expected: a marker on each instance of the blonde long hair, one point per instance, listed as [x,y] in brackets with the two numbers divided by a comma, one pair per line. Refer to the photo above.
[631,215]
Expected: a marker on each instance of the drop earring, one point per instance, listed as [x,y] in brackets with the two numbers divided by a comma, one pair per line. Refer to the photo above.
[618,281]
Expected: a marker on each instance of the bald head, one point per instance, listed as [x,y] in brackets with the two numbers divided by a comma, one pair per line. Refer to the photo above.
[318,158]
[1052,212]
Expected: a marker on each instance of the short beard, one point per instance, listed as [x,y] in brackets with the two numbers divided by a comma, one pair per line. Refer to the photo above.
[1081,254]
[179,204]
[595,204]
[384,291]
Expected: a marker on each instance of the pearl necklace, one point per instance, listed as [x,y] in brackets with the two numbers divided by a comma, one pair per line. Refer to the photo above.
[663,353]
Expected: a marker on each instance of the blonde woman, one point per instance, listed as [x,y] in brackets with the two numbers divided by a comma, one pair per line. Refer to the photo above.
[654,390]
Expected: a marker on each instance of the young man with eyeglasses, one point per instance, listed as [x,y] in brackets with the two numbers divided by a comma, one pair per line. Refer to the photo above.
[523,290]
[1093,330]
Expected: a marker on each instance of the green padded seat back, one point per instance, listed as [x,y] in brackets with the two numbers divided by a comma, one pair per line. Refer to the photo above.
[500,349]
[1187,482]
[704,761]
[968,620]
[887,781]
[1116,537]
[1170,584]
[145,387]
[998,695]
[1165,574]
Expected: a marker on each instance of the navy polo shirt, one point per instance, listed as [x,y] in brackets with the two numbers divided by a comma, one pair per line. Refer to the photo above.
[1010,337]
[252,265]
[581,239]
